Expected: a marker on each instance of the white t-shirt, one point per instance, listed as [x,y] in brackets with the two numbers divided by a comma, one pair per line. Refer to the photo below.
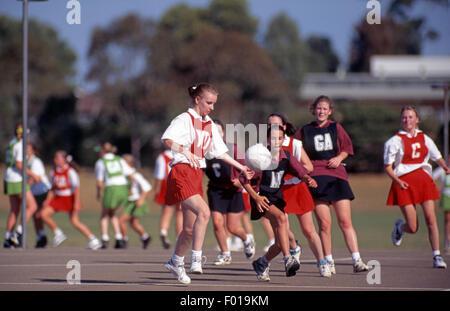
[160,165]
[394,151]
[297,153]
[14,154]
[138,186]
[37,167]
[181,131]
[440,174]
[74,181]
[101,174]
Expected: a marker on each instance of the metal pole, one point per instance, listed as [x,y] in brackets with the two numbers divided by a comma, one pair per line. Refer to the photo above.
[24,120]
[446,123]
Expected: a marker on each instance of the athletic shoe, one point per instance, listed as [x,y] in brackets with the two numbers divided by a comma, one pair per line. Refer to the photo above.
[438,262]
[94,244]
[237,245]
[19,238]
[249,249]
[146,242]
[397,233]
[165,241]
[262,270]
[359,266]
[266,248]
[120,244]
[41,242]
[296,252]
[58,239]
[178,271]
[291,266]
[196,264]
[10,243]
[222,260]
[331,266]
[104,244]
[324,269]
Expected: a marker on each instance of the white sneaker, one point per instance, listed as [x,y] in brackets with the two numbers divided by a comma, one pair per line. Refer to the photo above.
[196,264]
[262,271]
[236,245]
[266,248]
[324,270]
[438,262]
[331,266]
[249,249]
[94,244]
[397,234]
[296,252]
[178,271]
[359,266]
[222,260]
[58,239]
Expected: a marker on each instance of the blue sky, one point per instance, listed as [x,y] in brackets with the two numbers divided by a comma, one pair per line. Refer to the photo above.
[332,18]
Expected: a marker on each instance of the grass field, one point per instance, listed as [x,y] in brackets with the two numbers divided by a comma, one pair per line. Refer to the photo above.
[372,220]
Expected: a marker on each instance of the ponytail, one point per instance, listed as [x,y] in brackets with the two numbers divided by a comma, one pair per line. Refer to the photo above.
[290,128]
[200,88]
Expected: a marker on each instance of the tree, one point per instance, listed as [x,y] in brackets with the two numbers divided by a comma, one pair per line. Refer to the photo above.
[321,56]
[51,68]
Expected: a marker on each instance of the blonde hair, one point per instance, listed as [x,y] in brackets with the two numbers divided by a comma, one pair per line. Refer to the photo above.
[411,108]
[129,159]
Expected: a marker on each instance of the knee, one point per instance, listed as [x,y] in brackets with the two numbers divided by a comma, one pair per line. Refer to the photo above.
[413,226]
[324,225]
[281,220]
[345,225]
[233,228]
[204,215]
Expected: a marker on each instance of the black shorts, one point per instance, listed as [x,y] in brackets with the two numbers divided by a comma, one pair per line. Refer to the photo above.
[225,200]
[273,199]
[40,198]
[331,188]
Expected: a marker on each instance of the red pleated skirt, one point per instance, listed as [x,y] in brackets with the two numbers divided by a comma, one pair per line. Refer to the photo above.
[62,203]
[421,188]
[298,199]
[246,198]
[183,182]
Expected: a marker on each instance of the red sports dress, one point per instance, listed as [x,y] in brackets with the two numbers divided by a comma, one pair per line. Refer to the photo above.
[61,185]
[161,198]
[412,169]
[296,193]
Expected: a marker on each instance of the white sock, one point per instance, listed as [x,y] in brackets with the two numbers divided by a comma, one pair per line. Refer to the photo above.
[226,253]
[163,232]
[329,257]
[105,237]
[19,229]
[196,254]
[229,241]
[272,241]
[177,260]
[356,256]
[247,242]
[92,237]
[250,235]
[144,236]
[9,235]
[118,236]
[58,231]
[436,253]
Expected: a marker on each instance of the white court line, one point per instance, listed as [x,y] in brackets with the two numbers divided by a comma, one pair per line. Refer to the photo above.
[269,286]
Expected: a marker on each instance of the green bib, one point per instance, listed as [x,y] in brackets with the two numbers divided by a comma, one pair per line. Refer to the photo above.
[113,167]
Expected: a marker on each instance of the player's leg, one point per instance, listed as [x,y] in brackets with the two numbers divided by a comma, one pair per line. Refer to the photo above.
[123,219]
[164,224]
[234,226]
[411,224]
[265,223]
[447,232]
[104,226]
[178,219]
[219,230]
[324,220]
[433,233]
[14,203]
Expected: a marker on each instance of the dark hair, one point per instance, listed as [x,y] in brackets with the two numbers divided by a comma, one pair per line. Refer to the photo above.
[107,147]
[290,128]
[200,88]
[34,147]
[320,99]
[274,127]
[69,160]
[218,122]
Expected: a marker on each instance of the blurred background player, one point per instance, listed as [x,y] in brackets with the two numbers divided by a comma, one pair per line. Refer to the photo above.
[64,196]
[111,174]
[13,189]
[327,145]
[39,189]
[406,157]
[137,205]
[226,203]
[440,174]
[298,198]
[161,173]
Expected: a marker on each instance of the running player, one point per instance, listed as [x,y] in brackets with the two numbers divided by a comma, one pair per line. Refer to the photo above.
[39,189]
[161,173]
[328,144]
[406,157]
[136,205]
[267,201]
[111,174]
[64,196]
[440,174]
[13,189]
[226,203]
[298,198]
[192,136]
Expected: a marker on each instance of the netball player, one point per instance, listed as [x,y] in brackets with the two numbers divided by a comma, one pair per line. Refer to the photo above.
[64,196]
[298,198]
[39,189]
[136,205]
[440,174]
[13,189]
[226,204]
[267,201]
[161,173]
[327,145]
[406,157]
[192,136]
[111,174]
